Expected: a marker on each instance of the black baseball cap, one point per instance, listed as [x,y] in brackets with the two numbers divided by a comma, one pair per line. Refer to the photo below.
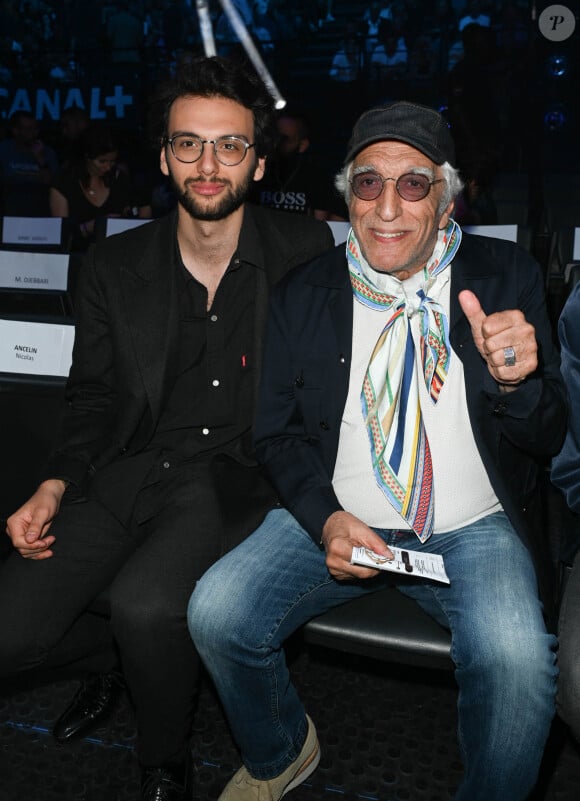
[419,126]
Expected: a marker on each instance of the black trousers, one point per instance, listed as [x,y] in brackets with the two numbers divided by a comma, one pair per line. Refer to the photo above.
[182,522]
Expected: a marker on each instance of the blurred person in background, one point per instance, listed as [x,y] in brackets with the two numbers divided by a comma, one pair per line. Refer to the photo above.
[27,166]
[294,180]
[73,121]
[95,186]
[125,34]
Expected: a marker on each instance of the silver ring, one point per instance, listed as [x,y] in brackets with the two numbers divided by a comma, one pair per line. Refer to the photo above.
[509,356]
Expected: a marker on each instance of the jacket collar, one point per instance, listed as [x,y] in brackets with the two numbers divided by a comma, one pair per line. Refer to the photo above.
[250,249]
[470,270]
[143,257]
[149,285]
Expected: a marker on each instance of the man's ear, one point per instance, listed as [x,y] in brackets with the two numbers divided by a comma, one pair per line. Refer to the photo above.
[260,168]
[163,162]
[444,220]
[304,145]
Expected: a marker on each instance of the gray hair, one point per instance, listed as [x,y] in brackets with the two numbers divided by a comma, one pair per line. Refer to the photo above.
[453,184]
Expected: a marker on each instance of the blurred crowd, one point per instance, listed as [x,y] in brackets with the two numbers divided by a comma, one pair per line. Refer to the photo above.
[469,56]
[65,38]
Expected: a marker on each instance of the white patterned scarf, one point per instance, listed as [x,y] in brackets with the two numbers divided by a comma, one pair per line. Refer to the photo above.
[390,394]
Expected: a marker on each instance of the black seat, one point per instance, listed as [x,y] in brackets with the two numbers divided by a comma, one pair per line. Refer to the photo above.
[385,625]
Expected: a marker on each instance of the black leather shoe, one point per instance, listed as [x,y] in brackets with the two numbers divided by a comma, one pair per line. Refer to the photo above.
[165,784]
[92,703]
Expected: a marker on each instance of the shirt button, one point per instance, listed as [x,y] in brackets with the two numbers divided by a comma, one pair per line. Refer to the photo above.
[205,431]
[166,465]
[215,382]
[213,318]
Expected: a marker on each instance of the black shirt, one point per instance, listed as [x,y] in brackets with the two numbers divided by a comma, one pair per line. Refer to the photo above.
[209,408]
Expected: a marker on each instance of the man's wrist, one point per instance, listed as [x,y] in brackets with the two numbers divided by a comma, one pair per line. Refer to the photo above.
[504,388]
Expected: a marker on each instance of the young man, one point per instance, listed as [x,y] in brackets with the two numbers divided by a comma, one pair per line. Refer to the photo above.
[434,350]
[153,477]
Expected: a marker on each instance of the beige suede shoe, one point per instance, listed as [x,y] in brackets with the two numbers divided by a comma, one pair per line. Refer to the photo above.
[243,787]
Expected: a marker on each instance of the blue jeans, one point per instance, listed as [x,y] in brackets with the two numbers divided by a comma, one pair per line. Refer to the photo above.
[249,602]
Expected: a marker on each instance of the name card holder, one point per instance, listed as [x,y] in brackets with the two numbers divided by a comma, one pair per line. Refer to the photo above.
[509,232]
[35,348]
[32,231]
[22,270]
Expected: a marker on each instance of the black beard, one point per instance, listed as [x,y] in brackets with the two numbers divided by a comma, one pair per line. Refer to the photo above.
[231,202]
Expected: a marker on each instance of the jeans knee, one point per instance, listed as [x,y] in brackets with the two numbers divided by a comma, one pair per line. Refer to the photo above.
[519,667]
[209,616]
[222,615]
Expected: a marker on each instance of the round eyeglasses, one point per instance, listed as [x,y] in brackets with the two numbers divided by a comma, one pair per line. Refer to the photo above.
[228,150]
[410,186]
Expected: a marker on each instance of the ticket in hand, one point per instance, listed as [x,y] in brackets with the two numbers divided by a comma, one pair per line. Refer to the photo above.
[409,563]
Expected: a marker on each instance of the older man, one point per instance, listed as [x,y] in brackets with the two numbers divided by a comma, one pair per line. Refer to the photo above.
[444,342]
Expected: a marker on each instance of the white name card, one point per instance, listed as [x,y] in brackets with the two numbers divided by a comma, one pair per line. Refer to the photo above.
[576,250]
[24,270]
[116,225]
[509,232]
[34,231]
[35,348]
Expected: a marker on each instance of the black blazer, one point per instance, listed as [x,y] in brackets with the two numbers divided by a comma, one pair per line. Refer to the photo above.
[127,328]
[306,372]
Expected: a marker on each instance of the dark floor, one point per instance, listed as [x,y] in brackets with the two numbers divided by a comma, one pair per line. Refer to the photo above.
[386,734]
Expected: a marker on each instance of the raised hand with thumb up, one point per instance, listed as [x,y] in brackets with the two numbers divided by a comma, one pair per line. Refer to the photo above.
[505,339]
